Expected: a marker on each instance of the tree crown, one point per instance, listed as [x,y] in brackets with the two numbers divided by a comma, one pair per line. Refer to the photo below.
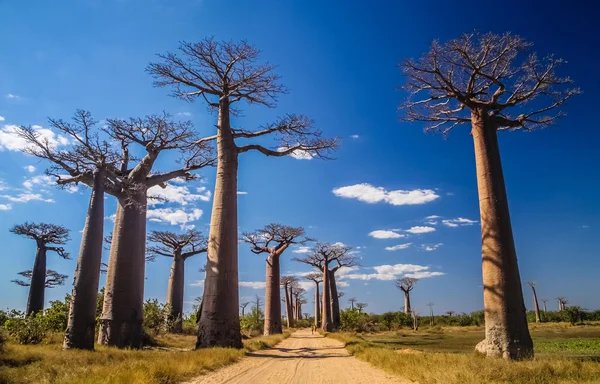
[324,254]
[406,284]
[53,278]
[170,244]
[274,238]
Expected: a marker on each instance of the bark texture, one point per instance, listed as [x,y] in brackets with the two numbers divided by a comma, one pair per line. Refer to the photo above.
[82,311]
[121,320]
[538,318]
[326,321]
[175,293]
[272,297]
[220,322]
[35,301]
[506,331]
[288,307]
[335,302]
[407,302]
[317,309]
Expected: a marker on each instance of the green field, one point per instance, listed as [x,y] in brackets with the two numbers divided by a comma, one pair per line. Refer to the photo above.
[564,354]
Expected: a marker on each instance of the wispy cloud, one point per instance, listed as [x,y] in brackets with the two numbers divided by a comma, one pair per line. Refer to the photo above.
[459,222]
[253,284]
[27,197]
[302,249]
[431,247]
[29,168]
[186,114]
[12,96]
[180,194]
[385,234]
[398,247]
[420,229]
[298,154]
[242,193]
[174,216]
[5,207]
[391,272]
[10,140]
[371,194]
[355,137]
[2,118]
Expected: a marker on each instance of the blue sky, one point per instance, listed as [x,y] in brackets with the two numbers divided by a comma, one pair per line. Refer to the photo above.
[339,61]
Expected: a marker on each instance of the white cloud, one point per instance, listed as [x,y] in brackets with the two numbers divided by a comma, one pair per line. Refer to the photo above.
[186,114]
[2,118]
[398,247]
[298,154]
[5,207]
[433,217]
[459,222]
[342,284]
[72,188]
[344,271]
[302,249]
[29,168]
[339,244]
[173,216]
[39,180]
[242,193]
[371,194]
[420,229]
[12,96]
[391,272]
[26,197]
[253,284]
[384,234]
[11,141]
[112,217]
[431,247]
[585,226]
[308,285]
[176,194]
[355,136]
[424,275]
[197,283]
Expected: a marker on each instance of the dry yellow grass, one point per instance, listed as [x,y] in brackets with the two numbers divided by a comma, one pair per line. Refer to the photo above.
[49,364]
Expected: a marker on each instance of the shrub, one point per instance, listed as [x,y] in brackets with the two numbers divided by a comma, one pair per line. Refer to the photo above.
[253,321]
[156,317]
[57,316]
[29,330]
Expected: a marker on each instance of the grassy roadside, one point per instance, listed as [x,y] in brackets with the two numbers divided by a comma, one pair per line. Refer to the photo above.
[49,364]
[425,366]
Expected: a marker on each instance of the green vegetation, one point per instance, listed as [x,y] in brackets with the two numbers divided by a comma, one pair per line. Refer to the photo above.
[564,354]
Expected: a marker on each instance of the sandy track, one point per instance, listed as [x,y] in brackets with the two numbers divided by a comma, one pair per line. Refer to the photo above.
[301,358]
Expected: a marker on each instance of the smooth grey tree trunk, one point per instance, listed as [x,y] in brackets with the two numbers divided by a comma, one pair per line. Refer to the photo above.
[317,309]
[335,302]
[326,323]
[272,297]
[538,318]
[407,302]
[82,311]
[175,293]
[506,331]
[288,308]
[220,321]
[35,301]
[122,313]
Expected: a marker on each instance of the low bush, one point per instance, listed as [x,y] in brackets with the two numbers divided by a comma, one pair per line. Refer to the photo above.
[28,330]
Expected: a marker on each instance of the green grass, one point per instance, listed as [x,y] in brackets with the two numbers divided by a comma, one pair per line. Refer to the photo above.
[563,355]
[167,364]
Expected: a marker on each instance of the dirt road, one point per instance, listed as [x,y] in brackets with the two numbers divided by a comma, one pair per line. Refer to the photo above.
[301,358]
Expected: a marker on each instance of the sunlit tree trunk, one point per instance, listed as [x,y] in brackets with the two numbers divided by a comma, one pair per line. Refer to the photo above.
[288,308]
[538,318]
[175,291]
[35,301]
[220,321]
[272,297]
[317,309]
[506,332]
[326,323]
[82,312]
[407,302]
[121,320]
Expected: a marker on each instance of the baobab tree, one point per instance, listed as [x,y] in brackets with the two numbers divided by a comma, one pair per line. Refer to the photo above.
[538,319]
[316,278]
[489,81]
[53,279]
[297,293]
[406,284]
[352,300]
[562,303]
[544,301]
[287,282]
[430,305]
[243,307]
[225,74]
[361,306]
[273,240]
[47,237]
[320,257]
[179,247]
[450,313]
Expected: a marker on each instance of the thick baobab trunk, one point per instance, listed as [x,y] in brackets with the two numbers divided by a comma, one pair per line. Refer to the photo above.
[82,311]
[538,318]
[407,302]
[288,308]
[544,307]
[175,293]
[335,302]
[272,297]
[317,306]
[122,313]
[35,302]
[506,332]
[220,321]
[326,323]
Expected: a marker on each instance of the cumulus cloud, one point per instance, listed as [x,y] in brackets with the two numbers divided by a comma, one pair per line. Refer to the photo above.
[398,247]
[385,234]
[420,229]
[298,154]
[173,216]
[431,247]
[424,274]
[392,272]
[342,284]
[11,141]
[253,284]
[112,217]
[176,194]
[39,180]
[2,118]
[27,197]
[459,222]
[302,249]
[29,168]
[371,194]
[5,207]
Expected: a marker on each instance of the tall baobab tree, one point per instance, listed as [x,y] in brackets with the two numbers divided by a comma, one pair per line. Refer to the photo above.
[489,81]
[287,282]
[544,301]
[538,319]
[273,240]
[352,300]
[406,284]
[430,305]
[450,313]
[225,74]
[361,306]
[53,279]
[179,247]
[298,293]
[562,303]
[47,237]
[316,278]
[92,161]
[243,307]
[321,256]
